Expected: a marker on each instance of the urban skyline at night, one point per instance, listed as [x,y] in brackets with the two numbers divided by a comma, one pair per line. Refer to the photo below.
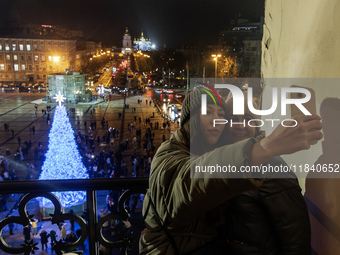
[170,23]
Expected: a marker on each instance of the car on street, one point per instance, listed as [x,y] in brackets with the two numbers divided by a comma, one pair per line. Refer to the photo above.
[9,88]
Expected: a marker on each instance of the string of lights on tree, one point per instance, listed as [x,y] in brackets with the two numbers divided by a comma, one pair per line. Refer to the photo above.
[63,160]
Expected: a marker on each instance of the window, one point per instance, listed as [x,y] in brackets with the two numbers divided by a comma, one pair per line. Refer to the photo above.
[9,68]
[37,67]
[21,47]
[16,67]
[43,58]
[22,57]
[36,57]
[0,46]
[77,57]
[8,57]
[2,67]
[15,57]
[30,67]
[6,46]
[23,68]
[49,58]
[29,58]
[14,47]
[63,58]
[38,77]
[35,46]
[28,47]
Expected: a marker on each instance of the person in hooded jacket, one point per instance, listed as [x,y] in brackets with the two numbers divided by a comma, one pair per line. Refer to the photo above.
[272,219]
[178,206]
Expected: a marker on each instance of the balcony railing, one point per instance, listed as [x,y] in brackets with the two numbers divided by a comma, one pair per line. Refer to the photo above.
[91,229]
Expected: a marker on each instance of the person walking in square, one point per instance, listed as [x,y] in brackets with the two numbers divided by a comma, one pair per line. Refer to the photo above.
[44,239]
[53,236]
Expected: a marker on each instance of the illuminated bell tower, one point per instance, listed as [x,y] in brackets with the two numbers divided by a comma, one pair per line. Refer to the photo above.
[127,43]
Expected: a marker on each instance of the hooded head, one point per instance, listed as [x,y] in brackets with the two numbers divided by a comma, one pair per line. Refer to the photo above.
[193,100]
[191,119]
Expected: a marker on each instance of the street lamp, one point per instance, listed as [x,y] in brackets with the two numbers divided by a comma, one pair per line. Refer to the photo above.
[215,58]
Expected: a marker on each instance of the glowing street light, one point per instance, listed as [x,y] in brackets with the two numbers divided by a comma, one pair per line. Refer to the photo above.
[215,58]
[56,58]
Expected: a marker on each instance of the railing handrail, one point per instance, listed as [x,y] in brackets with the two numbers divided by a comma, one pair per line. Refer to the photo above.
[29,186]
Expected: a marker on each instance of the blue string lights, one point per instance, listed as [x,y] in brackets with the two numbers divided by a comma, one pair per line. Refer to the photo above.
[63,160]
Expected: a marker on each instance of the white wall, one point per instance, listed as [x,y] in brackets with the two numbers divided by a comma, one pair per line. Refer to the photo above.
[302,40]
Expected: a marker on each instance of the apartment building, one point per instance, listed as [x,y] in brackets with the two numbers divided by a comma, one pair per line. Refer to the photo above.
[30,60]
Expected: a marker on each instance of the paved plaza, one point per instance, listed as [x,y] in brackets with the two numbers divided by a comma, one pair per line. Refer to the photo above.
[19,112]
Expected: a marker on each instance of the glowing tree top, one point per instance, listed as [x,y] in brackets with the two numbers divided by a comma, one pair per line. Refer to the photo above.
[63,160]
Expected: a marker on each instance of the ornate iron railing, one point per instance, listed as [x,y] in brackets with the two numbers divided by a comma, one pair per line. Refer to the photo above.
[91,230]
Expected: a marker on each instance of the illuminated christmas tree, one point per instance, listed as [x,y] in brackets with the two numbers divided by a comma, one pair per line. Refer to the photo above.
[63,160]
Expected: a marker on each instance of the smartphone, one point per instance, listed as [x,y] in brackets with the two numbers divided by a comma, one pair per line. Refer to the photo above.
[310,105]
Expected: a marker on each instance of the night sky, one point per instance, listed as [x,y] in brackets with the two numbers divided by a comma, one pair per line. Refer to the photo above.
[173,23]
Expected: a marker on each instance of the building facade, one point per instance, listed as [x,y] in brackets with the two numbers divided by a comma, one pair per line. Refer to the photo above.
[143,44]
[127,43]
[251,66]
[30,60]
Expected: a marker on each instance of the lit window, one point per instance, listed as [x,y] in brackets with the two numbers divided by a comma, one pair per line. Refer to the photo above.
[23,68]
[6,46]
[0,46]
[28,47]
[14,46]
[8,57]
[36,58]
[21,47]
[15,57]
[2,67]
[50,58]
[16,67]
[43,58]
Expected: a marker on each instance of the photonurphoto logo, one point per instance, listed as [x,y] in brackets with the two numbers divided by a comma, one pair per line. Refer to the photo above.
[238,104]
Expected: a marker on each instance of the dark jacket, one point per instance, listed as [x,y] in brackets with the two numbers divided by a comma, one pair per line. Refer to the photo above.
[272,220]
[183,202]
[44,237]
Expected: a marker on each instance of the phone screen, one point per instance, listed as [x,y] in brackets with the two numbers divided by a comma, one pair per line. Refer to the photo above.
[310,105]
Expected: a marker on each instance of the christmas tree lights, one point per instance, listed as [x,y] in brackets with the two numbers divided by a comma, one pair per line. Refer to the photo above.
[63,160]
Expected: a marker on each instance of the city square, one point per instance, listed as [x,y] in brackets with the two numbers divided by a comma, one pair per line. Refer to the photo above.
[167,127]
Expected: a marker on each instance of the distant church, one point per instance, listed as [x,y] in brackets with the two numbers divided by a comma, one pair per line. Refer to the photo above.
[143,44]
[127,43]
[140,43]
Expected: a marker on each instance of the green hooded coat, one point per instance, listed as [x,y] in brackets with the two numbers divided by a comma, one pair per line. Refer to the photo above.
[183,202]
